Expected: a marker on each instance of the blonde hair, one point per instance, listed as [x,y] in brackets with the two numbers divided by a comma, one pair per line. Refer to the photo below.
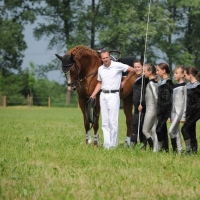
[180,67]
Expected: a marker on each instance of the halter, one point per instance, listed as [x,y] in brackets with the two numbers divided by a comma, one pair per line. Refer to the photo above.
[91,118]
[77,80]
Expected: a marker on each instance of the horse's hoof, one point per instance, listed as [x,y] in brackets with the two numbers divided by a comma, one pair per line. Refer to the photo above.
[95,144]
[96,139]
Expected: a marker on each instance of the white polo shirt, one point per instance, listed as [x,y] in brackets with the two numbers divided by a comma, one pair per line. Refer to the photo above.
[111,76]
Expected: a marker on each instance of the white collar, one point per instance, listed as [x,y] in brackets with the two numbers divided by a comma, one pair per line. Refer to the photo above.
[109,66]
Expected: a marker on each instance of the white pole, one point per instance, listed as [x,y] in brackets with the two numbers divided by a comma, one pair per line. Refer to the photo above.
[146,41]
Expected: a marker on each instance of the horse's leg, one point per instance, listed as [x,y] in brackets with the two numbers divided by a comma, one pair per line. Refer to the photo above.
[96,125]
[82,102]
[127,105]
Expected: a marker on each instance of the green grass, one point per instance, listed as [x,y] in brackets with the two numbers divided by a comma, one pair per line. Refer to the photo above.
[43,156]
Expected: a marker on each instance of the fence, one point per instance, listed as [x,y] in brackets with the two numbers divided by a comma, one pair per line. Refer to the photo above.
[37,101]
[40,101]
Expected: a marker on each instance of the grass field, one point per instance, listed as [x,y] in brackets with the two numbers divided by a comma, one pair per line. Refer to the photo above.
[43,156]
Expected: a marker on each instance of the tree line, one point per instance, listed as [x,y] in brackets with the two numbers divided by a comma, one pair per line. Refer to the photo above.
[109,24]
[18,87]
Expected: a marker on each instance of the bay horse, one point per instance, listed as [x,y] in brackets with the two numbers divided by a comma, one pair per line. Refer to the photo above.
[82,63]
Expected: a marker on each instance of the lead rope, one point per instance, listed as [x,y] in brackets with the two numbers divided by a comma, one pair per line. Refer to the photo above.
[91,118]
[146,42]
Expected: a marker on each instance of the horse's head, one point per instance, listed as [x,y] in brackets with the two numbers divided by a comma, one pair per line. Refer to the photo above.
[80,62]
[70,69]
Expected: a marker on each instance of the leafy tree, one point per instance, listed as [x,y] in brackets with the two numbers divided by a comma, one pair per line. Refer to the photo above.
[11,46]
[61,20]
[61,17]
[89,22]
[190,41]
[125,27]
[121,25]
[15,88]
[14,15]
[43,88]
[177,32]
[70,23]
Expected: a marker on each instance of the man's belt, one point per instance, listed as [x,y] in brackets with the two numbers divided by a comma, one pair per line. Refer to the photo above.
[109,91]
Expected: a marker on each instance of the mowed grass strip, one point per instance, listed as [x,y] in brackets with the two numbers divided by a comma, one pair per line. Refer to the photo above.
[43,156]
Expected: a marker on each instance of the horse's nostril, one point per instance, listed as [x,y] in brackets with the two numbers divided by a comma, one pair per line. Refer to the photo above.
[73,88]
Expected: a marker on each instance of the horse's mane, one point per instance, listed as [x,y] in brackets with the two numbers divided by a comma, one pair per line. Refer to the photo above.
[81,50]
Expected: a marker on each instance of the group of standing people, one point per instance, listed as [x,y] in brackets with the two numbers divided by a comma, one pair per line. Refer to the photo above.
[153,104]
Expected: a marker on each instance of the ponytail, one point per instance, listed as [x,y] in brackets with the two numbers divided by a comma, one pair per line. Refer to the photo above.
[166,67]
[198,76]
[170,74]
[192,70]
[151,67]
[156,78]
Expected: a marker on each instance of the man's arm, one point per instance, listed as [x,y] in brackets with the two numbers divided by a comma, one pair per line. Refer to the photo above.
[131,70]
[96,90]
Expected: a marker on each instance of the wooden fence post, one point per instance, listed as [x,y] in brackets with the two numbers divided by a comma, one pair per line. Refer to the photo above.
[31,99]
[4,102]
[49,102]
[28,101]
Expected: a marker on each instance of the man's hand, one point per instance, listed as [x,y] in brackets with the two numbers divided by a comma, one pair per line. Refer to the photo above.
[170,121]
[93,96]
[140,107]
[96,90]
[131,71]
[122,84]
[182,121]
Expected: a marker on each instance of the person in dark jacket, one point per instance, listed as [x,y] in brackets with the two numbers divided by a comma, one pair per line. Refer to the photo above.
[192,110]
[164,105]
[138,87]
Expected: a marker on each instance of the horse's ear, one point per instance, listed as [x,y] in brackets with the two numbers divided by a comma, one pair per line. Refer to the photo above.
[59,57]
[71,57]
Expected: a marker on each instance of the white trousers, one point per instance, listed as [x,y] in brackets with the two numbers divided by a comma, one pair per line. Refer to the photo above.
[110,103]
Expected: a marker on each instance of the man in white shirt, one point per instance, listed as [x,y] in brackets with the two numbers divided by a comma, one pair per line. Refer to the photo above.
[109,82]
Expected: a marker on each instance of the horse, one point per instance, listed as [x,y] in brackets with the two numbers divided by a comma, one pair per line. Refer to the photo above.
[80,64]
